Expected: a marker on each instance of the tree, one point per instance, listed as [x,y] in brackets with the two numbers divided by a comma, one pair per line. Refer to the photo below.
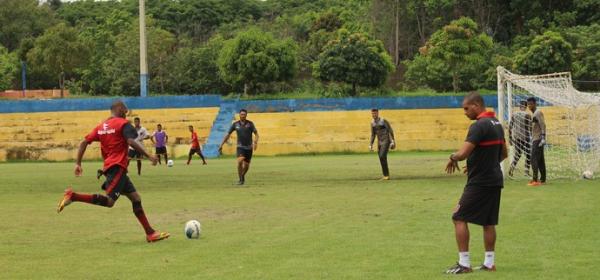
[20,19]
[9,67]
[354,59]
[457,50]
[586,53]
[124,68]
[195,69]
[254,57]
[548,53]
[59,53]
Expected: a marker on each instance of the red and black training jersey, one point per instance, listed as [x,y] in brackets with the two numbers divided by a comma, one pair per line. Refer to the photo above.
[195,143]
[483,164]
[113,134]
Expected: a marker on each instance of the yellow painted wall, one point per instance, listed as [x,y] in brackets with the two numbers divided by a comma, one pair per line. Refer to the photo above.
[338,131]
[56,135]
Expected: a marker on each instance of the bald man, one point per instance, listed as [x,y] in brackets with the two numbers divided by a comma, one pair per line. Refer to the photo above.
[115,135]
[479,204]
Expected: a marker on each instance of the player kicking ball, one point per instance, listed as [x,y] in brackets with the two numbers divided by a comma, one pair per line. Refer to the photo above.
[115,135]
[479,204]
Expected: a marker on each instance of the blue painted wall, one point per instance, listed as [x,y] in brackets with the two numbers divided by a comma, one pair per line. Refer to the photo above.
[286,105]
[92,104]
[365,103]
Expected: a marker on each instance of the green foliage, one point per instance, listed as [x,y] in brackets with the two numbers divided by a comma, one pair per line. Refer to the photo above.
[58,53]
[106,28]
[354,59]
[453,58]
[9,68]
[254,57]
[548,53]
[586,52]
[21,19]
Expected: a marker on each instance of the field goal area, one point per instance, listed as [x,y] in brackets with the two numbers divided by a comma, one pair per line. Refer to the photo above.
[572,121]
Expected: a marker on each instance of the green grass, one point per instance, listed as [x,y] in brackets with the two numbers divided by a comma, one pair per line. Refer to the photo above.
[300,217]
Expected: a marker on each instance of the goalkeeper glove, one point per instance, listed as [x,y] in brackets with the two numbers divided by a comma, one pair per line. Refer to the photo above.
[542,142]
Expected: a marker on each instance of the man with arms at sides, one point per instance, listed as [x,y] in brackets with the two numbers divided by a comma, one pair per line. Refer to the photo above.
[519,134]
[160,139]
[245,145]
[538,133]
[195,149]
[115,135]
[142,134]
[385,140]
[479,204]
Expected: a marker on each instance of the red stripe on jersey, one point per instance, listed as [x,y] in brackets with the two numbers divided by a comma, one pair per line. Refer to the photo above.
[491,142]
[115,180]
[486,114]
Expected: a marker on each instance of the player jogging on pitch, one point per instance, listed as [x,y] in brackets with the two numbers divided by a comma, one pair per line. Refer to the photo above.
[115,135]
[479,204]
[245,145]
[195,149]
[385,140]
[142,134]
[160,139]
[519,133]
[538,133]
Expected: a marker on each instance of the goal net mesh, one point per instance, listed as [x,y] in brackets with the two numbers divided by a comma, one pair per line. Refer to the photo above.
[572,122]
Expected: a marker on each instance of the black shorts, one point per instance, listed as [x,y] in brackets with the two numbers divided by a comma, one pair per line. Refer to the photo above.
[117,182]
[134,154]
[195,151]
[245,153]
[479,205]
[161,150]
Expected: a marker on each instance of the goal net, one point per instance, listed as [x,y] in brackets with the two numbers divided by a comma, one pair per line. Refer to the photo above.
[572,122]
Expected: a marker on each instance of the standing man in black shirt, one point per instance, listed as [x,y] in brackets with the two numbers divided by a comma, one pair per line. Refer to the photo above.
[245,145]
[479,204]
[385,140]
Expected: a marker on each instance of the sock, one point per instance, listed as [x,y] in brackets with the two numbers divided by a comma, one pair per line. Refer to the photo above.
[489,259]
[464,259]
[87,198]
[138,211]
[97,199]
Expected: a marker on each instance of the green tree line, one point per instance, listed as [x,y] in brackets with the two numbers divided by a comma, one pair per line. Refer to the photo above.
[331,47]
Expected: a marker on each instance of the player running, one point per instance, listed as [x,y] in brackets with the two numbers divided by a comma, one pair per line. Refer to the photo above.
[142,134]
[245,145]
[479,204]
[160,139]
[115,135]
[519,134]
[538,132]
[385,140]
[195,149]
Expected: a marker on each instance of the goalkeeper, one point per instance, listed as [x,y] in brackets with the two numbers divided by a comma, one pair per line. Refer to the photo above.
[538,131]
[385,140]
[519,131]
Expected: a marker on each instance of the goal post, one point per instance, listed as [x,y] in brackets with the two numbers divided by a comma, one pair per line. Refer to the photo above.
[572,122]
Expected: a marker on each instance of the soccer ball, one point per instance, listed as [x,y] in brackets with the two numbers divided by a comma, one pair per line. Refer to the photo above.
[170,163]
[587,174]
[193,229]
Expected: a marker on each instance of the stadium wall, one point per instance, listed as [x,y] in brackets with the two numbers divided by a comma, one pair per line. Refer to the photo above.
[52,129]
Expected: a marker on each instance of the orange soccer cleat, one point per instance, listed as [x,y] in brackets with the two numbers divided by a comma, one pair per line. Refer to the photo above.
[157,236]
[66,200]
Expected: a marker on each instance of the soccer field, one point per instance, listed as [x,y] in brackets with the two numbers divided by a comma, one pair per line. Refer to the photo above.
[298,217]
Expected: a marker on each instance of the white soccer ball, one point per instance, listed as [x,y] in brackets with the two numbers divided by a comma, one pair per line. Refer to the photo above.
[193,229]
[587,174]
[170,163]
